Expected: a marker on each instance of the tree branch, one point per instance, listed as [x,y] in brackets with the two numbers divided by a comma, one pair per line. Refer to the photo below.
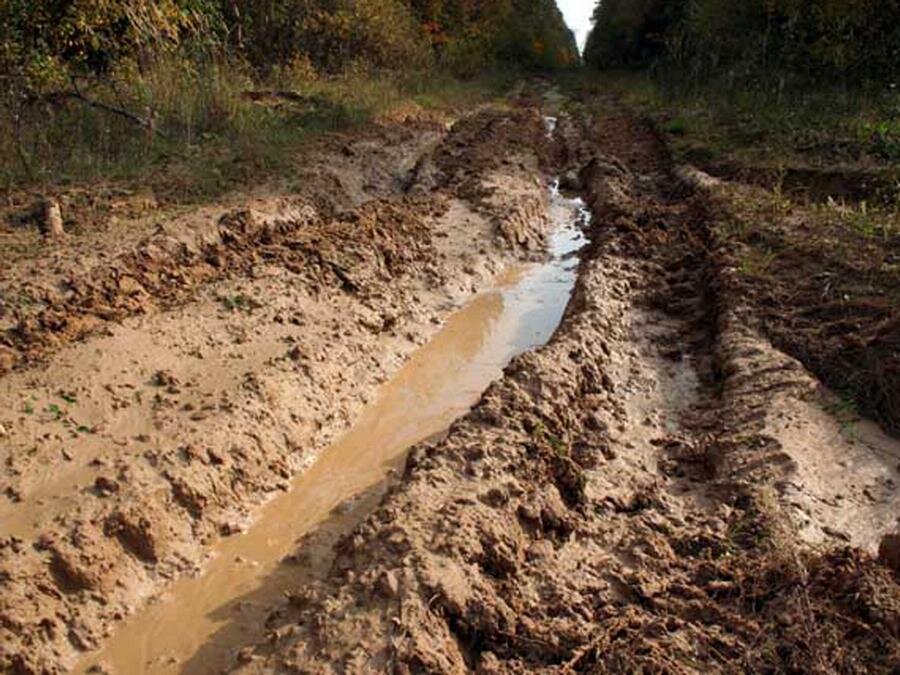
[76,95]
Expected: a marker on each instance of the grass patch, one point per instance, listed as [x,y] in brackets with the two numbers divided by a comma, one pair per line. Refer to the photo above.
[812,124]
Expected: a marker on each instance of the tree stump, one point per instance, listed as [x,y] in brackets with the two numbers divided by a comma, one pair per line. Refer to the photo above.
[51,218]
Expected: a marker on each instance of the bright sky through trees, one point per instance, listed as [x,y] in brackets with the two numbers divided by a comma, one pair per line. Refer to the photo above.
[578,16]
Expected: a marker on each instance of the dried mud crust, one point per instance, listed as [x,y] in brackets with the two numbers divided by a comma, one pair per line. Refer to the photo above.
[616,502]
[164,394]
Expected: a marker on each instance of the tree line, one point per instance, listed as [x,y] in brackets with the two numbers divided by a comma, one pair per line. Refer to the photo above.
[856,40]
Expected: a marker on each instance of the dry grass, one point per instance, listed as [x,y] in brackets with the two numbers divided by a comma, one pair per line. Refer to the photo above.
[204,133]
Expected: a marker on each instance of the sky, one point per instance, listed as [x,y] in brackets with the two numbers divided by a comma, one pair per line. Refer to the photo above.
[578,16]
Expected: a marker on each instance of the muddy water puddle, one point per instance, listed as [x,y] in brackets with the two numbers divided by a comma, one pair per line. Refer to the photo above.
[200,623]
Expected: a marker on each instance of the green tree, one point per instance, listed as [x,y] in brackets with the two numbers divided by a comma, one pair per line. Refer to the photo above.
[852,39]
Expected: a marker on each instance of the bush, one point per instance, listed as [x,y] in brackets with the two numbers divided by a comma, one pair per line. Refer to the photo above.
[45,44]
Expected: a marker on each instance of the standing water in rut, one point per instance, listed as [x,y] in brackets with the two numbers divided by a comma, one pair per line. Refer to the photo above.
[200,623]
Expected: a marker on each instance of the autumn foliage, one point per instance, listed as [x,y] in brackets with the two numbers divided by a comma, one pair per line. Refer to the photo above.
[47,43]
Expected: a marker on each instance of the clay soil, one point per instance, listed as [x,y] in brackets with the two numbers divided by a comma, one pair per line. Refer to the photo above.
[666,486]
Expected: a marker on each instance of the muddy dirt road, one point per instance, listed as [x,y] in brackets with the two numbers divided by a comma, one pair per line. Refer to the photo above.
[243,440]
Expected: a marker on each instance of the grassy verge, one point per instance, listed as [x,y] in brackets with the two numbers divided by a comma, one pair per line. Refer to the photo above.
[193,132]
[817,125]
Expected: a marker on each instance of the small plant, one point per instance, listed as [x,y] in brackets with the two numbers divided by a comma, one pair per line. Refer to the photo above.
[862,222]
[845,410]
[234,303]
[559,447]
[883,137]
[755,263]
[677,126]
[541,433]
[868,221]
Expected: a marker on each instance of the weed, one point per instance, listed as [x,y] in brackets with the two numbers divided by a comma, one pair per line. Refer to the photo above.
[676,126]
[873,222]
[883,137]
[862,223]
[756,263]
[541,434]
[559,447]
[239,302]
[845,410]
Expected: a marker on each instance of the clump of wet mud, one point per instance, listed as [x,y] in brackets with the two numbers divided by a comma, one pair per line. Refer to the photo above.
[619,500]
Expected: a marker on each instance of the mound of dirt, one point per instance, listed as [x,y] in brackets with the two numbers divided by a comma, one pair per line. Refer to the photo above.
[824,285]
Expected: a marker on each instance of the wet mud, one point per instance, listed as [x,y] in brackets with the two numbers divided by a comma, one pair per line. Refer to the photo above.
[163,394]
[626,497]
[663,486]
[226,605]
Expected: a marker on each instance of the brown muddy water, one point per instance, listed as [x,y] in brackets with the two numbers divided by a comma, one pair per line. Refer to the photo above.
[201,622]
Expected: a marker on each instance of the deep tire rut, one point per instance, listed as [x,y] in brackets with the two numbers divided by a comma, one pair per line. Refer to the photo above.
[615,502]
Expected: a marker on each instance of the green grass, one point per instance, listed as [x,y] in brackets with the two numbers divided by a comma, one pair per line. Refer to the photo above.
[812,124]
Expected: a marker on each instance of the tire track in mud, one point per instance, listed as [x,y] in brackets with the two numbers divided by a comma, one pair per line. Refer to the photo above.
[143,447]
[226,605]
[616,501]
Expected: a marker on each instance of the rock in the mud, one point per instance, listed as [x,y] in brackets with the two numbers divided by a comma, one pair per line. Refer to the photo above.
[388,586]
[571,181]
[105,486]
[164,378]
[230,528]
[889,551]
[247,655]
